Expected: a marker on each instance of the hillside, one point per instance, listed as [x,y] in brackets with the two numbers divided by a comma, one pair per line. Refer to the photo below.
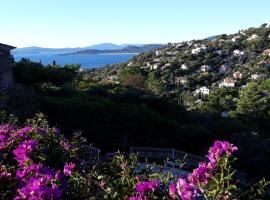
[192,73]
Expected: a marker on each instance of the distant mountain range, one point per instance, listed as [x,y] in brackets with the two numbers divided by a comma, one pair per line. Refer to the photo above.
[127,49]
[94,49]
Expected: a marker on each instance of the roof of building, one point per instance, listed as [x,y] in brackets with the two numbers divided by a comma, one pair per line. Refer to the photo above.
[5,47]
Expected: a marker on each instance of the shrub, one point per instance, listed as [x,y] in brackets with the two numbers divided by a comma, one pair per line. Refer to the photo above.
[37,162]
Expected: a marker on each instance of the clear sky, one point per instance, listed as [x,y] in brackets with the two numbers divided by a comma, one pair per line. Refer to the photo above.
[73,23]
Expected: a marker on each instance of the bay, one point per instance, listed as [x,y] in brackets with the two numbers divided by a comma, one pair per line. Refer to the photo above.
[85,60]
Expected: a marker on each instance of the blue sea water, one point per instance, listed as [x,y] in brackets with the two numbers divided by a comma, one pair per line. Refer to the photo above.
[86,61]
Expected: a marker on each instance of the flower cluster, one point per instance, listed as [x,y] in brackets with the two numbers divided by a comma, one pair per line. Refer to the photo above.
[219,149]
[68,168]
[143,187]
[191,186]
[39,182]
[34,180]
[23,151]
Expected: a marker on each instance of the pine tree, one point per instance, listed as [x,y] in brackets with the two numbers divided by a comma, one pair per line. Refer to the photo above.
[253,102]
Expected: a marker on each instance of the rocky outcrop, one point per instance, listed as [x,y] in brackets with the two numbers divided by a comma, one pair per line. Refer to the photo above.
[6,75]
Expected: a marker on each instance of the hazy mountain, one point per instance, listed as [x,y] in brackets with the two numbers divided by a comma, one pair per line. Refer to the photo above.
[96,47]
[41,50]
[127,49]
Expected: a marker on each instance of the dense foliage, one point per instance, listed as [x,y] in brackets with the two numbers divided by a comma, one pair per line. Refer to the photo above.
[38,162]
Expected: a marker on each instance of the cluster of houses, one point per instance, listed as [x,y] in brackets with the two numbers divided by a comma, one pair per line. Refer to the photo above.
[165,58]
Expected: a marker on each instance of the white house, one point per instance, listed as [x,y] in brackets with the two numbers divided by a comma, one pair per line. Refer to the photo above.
[266,52]
[130,64]
[237,52]
[184,67]
[243,33]
[112,77]
[198,49]
[205,68]
[219,52]
[154,66]
[204,90]
[227,82]
[181,79]
[258,76]
[158,52]
[253,37]
[190,43]
[236,38]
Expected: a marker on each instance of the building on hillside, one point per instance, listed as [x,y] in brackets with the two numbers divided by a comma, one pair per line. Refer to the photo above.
[6,75]
[236,38]
[258,76]
[237,75]
[227,82]
[154,66]
[184,67]
[181,79]
[166,65]
[253,37]
[205,68]
[266,52]
[203,90]
[237,52]
[112,78]
[130,64]
[158,52]
[198,50]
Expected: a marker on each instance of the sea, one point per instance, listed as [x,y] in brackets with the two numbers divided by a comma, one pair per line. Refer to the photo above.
[86,61]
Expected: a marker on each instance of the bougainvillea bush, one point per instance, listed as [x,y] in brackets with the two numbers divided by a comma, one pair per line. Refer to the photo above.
[38,162]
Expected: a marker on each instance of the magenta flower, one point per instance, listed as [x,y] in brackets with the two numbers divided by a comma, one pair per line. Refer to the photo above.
[189,188]
[172,191]
[23,151]
[135,198]
[23,132]
[219,149]
[146,186]
[68,168]
[39,182]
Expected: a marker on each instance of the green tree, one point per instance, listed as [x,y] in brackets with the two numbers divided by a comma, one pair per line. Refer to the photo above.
[154,84]
[253,103]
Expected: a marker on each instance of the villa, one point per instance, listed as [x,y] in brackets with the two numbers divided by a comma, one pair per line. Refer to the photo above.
[6,76]
[237,75]
[181,79]
[205,68]
[227,82]
[184,67]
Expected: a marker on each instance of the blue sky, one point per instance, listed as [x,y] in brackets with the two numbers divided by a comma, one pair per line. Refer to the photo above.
[72,23]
